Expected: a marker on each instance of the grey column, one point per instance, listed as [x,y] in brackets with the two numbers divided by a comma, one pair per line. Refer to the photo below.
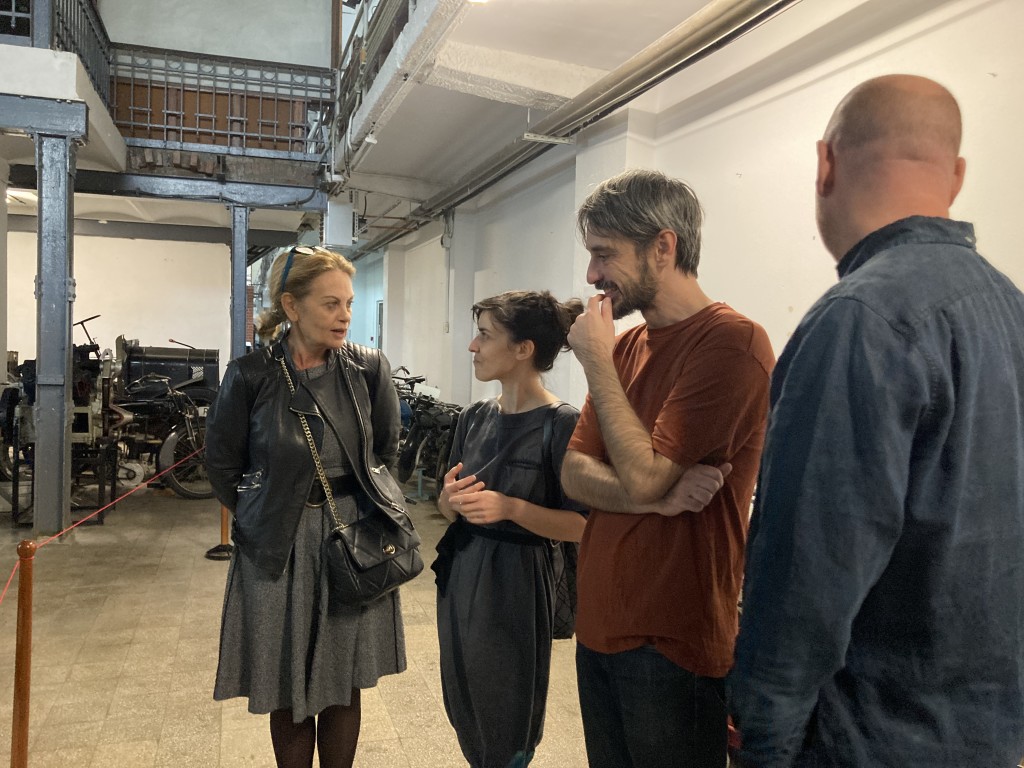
[4,170]
[239,251]
[42,23]
[55,166]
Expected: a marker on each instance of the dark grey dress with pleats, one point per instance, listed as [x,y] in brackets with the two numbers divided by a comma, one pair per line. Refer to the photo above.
[280,646]
[494,616]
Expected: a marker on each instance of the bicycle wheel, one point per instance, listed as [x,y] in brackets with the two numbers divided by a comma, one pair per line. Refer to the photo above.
[446,440]
[409,454]
[188,479]
[6,462]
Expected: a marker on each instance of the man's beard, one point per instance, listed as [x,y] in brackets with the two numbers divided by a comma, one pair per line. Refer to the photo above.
[635,296]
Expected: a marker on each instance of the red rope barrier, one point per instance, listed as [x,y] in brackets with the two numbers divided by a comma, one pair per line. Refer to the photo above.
[10,578]
[89,517]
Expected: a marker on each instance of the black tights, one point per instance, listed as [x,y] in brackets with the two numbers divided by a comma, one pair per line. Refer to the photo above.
[334,733]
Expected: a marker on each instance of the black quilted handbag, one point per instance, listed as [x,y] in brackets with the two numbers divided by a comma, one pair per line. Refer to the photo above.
[564,553]
[371,555]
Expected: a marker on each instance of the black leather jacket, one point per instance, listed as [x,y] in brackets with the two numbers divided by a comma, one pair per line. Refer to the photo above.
[257,455]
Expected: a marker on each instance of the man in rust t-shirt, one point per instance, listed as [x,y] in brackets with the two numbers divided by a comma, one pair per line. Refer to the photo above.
[677,407]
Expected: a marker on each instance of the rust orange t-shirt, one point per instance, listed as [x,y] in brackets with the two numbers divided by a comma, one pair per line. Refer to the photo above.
[700,386]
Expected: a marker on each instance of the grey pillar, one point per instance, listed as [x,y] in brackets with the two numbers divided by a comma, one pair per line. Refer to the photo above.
[240,320]
[4,171]
[42,23]
[55,166]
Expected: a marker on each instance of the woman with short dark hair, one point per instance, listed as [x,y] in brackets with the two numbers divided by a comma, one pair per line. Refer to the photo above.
[496,570]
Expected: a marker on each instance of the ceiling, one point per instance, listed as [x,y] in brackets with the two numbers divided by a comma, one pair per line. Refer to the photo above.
[492,71]
[464,81]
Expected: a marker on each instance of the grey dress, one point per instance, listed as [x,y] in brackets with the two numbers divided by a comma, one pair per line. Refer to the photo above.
[495,603]
[281,646]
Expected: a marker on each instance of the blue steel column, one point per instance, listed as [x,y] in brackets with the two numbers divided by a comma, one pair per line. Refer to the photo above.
[239,307]
[55,166]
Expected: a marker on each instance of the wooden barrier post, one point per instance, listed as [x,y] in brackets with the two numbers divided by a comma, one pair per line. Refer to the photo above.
[225,525]
[23,657]
[223,550]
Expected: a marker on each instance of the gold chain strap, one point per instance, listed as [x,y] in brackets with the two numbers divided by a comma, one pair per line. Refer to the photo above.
[316,455]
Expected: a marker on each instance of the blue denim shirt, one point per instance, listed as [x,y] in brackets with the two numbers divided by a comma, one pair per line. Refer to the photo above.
[883,615]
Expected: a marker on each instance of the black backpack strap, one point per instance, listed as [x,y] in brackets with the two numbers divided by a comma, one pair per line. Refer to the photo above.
[552,495]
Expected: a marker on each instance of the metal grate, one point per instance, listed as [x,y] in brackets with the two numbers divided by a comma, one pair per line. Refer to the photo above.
[374,32]
[16,18]
[174,97]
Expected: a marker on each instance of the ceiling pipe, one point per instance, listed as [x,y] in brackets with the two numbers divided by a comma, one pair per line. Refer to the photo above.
[716,25]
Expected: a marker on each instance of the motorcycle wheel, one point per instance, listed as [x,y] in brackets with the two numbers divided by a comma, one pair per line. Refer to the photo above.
[188,479]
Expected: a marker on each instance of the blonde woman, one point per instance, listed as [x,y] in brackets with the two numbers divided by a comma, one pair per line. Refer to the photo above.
[285,644]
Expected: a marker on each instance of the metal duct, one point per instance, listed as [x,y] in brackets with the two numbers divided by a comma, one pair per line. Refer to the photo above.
[716,25]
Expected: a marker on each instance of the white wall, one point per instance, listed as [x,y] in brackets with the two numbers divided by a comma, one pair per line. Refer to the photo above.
[740,126]
[524,241]
[421,340]
[369,288]
[144,289]
[296,32]
[752,162]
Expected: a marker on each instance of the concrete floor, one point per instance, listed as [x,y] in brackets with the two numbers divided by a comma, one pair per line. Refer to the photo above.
[126,624]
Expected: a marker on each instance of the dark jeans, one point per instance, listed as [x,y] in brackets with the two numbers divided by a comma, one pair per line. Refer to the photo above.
[640,710]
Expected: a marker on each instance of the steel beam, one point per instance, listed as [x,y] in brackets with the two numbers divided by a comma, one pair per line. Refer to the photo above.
[232,193]
[239,248]
[55,159]
[141,230]
[32,115]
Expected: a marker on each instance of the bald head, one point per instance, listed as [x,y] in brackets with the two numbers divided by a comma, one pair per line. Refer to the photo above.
[891,150]
[898,116]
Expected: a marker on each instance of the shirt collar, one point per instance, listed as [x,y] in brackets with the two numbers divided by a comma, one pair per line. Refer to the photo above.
[914,229]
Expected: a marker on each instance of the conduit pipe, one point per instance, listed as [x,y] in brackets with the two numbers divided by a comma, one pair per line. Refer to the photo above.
[716,25]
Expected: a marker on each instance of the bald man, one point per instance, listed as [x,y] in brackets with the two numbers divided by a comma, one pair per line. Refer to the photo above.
[883,613]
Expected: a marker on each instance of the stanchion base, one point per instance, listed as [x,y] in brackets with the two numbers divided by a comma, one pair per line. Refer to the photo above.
[220,552]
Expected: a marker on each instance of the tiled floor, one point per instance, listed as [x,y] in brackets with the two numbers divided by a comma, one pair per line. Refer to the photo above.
[125,646]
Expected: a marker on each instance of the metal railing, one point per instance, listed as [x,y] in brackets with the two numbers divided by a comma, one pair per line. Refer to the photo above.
[180,100]
[376,27]
[169,98]
[78,29]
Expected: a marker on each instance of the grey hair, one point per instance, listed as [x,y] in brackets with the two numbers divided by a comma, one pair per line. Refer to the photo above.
[639,204]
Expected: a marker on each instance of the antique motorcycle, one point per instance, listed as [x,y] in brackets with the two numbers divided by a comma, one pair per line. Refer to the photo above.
[148,404]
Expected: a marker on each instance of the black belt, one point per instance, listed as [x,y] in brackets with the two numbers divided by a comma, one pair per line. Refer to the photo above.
[457,536]
[513,537]
[342,485]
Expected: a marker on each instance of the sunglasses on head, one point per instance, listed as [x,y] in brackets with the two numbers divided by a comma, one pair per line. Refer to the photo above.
[305,250]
